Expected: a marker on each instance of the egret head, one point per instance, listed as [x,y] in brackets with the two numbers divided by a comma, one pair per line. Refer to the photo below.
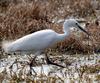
[73,23]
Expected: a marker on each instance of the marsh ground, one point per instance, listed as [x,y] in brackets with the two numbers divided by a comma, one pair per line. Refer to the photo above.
[79,54]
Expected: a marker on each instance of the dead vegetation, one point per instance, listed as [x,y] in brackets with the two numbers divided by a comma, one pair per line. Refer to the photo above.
[22,17]
[19,18]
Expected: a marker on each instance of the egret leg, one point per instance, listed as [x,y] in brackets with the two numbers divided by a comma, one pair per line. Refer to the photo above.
[52,63]
[33,58]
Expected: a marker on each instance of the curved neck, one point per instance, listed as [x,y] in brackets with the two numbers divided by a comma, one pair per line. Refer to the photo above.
[66,28]
[64,35]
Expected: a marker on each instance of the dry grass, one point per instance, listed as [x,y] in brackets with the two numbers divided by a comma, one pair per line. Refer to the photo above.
[94,29]
[26,19]
[22,17]
[19,18]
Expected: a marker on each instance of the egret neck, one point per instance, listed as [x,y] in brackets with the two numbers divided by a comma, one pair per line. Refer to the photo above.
[65,34]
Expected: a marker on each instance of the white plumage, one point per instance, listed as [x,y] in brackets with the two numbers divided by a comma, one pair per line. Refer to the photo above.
[40,40]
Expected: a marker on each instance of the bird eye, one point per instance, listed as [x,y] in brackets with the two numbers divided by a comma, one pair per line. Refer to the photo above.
[76,23]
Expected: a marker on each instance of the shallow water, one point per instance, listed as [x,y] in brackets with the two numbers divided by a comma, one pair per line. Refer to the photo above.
[76,72]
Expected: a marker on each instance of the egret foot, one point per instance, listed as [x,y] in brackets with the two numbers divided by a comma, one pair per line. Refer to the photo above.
[32,60]
[52,63]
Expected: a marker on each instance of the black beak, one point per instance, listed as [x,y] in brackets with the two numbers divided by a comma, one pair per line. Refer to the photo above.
[82,29]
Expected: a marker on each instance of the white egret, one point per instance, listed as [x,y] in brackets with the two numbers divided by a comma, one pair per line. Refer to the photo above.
[40,40]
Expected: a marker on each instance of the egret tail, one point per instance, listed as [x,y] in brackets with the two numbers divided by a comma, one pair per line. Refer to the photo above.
[5,46]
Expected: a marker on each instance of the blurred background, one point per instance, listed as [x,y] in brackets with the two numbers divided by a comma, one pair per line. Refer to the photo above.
[81,52]
[22,17]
